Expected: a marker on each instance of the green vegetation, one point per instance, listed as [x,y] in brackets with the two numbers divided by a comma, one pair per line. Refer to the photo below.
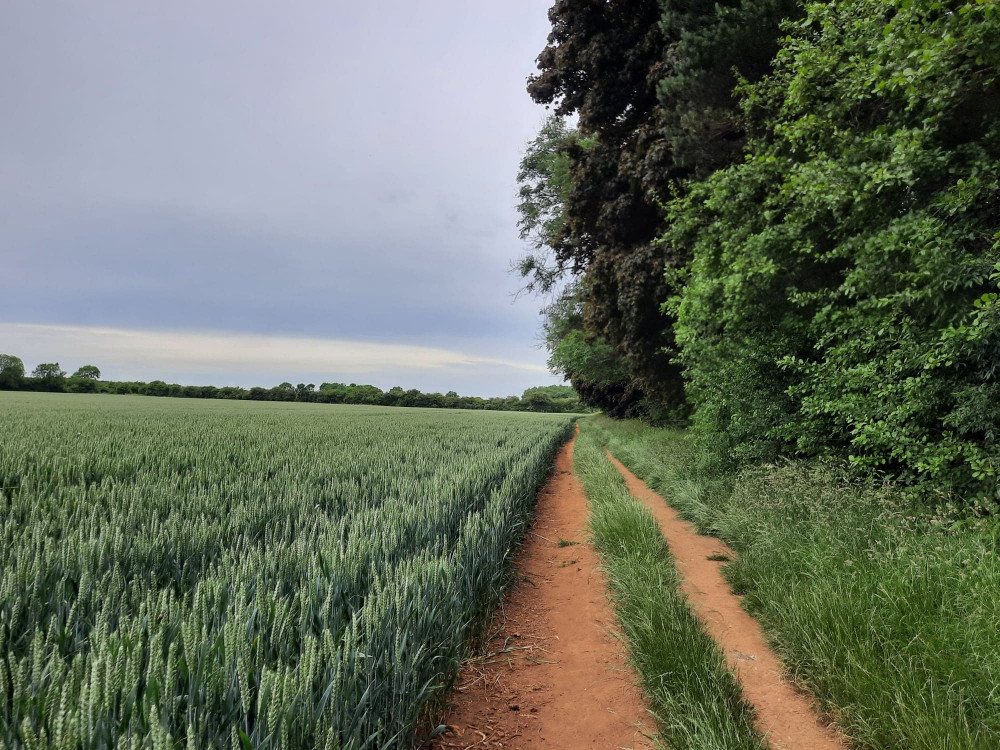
[780,221]
[650,83]
[247,575]
[696,699]
[840,299]
[887,614]
[560,399]
[780,228]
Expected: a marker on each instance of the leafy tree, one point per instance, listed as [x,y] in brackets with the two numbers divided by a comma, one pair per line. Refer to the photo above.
[81,385]
[539,401]
[553,391]
[651,83]
[282,392]
[156,388]
[51,375]
[545,183]
[599,65]
[596,372]
[840,298]
[89,372]
[11,371]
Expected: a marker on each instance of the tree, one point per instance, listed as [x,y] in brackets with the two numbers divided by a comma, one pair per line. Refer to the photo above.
[651,82]
[600,64]
[89,372]
[81,385]
[11,371]
[156,388]
[840,299]
[539,401]
[49,372]
[544,185]
[593,367]
[554,391]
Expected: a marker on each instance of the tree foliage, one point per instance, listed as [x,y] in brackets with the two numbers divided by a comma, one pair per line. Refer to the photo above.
[50,373]
[586,359]
[792,212]
[651,83]
[544,183]
[88,372]
[11,371]
[840,299]
[560,399]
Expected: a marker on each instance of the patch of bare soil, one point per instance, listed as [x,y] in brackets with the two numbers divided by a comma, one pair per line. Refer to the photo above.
[784,714]
[554,675]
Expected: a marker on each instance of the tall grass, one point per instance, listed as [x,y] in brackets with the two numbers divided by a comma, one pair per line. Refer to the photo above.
[888,612]
[220,574]
[696,699]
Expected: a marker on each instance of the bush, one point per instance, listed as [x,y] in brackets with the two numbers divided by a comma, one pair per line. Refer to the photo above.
[840,299]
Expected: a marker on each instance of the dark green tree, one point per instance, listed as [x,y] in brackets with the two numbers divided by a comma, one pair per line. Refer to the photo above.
[539,401]
[50,374]
[88,372]
[591,365]
[651,83]
[553,391]
[11,372]
[156,388]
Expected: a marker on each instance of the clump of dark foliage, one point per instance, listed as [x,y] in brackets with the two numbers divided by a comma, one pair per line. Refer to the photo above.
[779,222]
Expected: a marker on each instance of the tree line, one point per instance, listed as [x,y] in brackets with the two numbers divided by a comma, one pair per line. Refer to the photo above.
[50,377]
[777,222]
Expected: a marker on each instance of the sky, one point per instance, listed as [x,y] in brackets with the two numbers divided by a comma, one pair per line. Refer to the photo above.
[244,192]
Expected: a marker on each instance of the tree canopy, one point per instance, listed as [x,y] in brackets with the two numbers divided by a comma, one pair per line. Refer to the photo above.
[781,220]
[11,371]
[841,297]
[651,83]
[88,372]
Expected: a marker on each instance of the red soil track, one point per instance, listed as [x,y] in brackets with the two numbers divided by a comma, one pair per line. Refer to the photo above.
[556,677]
[784,714]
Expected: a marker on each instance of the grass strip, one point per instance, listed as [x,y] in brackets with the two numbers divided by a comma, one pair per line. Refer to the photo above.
[697,701]
[888,612]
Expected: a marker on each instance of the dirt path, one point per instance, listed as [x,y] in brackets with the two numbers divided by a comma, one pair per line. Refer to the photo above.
[556,677]
[784,714]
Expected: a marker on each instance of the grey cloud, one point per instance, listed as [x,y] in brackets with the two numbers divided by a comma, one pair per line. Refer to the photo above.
[303,168]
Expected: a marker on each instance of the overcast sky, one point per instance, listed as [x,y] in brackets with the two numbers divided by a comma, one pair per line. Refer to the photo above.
[245,192]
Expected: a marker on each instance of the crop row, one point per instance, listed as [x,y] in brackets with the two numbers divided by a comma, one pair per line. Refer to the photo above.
[247,575]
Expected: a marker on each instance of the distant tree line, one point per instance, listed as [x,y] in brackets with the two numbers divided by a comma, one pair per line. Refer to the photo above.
[778,222]
[50,377]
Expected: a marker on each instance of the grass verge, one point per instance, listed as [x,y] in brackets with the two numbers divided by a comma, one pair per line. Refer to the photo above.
[695,698]
[888,613]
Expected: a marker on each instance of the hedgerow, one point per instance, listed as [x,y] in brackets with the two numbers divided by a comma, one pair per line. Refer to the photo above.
[842,298]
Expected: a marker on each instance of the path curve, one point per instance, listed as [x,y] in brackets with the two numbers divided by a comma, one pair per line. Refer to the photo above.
[556,677]
[784,714]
